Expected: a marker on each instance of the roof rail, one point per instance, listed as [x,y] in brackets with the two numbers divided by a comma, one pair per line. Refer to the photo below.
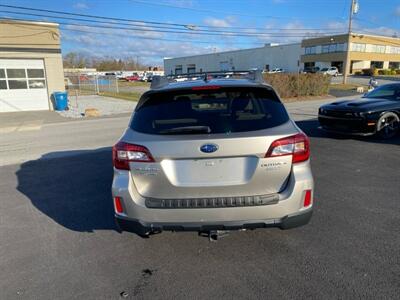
[162,81]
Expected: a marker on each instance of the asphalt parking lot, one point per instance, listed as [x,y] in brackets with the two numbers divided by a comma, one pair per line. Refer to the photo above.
[58,239]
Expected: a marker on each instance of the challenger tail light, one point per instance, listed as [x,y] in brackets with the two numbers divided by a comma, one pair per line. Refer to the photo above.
[296,145]
[124,153]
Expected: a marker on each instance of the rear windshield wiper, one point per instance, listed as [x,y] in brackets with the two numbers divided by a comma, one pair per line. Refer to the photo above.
[186,130]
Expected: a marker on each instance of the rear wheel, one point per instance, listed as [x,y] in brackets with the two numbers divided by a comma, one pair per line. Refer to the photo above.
[388,125]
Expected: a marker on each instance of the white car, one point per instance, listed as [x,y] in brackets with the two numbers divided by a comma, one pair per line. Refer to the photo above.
[276,70]
[333,71]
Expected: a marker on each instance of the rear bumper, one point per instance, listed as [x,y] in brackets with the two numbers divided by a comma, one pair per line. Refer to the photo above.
[347,126]
[286,211]
[144,228]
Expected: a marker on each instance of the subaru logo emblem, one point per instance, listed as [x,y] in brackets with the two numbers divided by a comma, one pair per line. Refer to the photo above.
[209,148]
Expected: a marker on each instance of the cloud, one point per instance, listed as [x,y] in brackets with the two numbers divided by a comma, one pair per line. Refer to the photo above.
[225,22]
[80,5]
[117,44]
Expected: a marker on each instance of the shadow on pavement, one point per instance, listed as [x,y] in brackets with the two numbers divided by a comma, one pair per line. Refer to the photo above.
[71,187]
[311,128]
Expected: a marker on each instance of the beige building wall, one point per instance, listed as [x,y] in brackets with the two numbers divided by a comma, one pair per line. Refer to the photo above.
[35,40]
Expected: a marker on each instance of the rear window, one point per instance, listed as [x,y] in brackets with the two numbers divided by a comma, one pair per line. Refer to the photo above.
[221,110]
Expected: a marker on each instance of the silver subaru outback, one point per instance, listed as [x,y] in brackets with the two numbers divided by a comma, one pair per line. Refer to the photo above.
[212,153]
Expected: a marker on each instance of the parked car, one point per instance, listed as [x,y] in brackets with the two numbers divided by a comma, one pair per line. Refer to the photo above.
[311,70]
[332,71]
[276,70]
[146,77]
[208,155]
[378,112]
[134,77]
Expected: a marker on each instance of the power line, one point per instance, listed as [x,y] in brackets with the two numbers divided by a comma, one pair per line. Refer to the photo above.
[148,22]
[258,35]
[154,39]
[152,26]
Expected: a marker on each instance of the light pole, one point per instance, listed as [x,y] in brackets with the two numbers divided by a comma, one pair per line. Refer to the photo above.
[347,62]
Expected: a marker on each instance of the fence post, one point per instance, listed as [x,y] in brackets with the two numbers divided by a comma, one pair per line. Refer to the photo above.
[79,82]
[97,84]
[116,84]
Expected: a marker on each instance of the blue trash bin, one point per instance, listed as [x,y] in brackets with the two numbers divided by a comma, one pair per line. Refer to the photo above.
[60,100]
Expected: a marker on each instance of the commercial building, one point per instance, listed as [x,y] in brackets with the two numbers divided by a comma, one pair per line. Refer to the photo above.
[265,58]
[30,65]
[365,51]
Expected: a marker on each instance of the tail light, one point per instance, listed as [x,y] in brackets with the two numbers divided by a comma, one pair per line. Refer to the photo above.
[307,198]
[297,145]
[118,205]
[124,153]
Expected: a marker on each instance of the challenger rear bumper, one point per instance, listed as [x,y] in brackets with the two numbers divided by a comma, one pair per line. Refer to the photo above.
[143,228]
[347,126]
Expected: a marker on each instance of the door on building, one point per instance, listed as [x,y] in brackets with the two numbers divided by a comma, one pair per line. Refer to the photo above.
[23,85]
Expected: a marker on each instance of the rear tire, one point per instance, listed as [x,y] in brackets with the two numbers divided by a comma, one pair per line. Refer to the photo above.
[388,125]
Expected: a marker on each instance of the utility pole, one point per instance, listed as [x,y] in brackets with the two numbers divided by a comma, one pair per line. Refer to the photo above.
[347,62]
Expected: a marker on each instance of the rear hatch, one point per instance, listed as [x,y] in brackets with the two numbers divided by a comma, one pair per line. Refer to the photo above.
[209,142]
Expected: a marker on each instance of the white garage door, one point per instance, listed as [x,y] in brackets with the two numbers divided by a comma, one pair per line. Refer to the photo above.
[22,85]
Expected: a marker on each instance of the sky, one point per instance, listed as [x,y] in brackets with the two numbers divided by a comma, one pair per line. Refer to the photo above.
[278,21]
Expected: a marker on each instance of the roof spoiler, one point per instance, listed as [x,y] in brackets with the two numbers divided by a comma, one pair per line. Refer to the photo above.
[162,81]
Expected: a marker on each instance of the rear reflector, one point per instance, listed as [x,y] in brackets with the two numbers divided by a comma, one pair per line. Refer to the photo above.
[297,145]
[206,87]
[307,198]
[124,153]
[118,205]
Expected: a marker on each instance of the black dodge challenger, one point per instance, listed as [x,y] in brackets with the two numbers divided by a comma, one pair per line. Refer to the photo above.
[377,112]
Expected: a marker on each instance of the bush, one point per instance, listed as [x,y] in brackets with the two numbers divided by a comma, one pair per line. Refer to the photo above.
[398,72]
[387,72]
[358,73]
[295,85]
[370,71]
[367,72]
[393,72]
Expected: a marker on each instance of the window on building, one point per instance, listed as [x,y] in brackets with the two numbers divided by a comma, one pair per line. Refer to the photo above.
[16,79]
[394,50]
[16,73]
[340,47]
[3,82]
[377,48]
[3,85]
[310,50]
[36,78]
[357,47]
[377,64]
[394,65]
[325,49]
[380,48]
[332,47]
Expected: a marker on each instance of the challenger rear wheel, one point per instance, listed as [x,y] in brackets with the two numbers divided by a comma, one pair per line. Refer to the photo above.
[388,125]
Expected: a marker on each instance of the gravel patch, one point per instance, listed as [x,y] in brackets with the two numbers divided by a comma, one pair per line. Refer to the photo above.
[105,105]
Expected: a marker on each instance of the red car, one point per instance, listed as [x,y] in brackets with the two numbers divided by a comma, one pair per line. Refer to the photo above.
[132,78]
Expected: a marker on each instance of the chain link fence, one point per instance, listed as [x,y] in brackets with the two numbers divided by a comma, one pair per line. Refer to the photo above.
[82,84]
